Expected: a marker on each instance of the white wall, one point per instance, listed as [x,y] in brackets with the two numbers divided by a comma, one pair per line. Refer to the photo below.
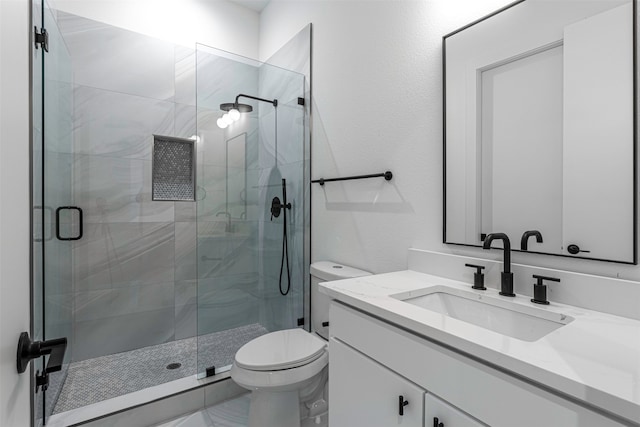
[377,93]
[14,207]
[217,23]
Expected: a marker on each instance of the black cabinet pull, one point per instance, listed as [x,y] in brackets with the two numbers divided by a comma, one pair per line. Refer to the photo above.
[80,223]
[401,404]
[437,423]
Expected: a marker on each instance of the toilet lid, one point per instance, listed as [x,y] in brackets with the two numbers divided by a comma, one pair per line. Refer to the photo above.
[280,350]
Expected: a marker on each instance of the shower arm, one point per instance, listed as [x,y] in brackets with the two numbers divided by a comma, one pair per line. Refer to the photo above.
[274,102]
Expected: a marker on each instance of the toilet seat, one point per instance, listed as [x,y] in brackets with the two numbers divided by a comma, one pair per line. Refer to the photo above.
[280,350]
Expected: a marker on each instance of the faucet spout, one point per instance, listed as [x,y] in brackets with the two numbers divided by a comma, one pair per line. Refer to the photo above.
[524,241]
[506,277]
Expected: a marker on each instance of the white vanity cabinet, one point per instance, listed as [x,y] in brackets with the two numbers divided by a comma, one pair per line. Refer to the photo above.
[372,362]
[438,413]
[368,394]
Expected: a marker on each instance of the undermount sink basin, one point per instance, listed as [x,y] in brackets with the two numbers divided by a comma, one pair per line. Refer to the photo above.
[493,313]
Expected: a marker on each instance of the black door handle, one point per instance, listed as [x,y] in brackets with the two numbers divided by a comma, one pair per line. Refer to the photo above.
[29,350]
[80,223]
[401,404]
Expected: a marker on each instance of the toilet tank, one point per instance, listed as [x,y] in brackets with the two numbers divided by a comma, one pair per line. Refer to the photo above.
[325,271]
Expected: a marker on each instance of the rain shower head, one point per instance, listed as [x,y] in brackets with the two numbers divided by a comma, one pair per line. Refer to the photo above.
[235,108]
[243,108]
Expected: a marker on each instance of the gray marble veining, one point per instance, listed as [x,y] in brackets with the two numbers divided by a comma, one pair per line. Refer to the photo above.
[95,338]
[220,79]
[117,190]
[185,250]
[118,124]
[125,61]
[185,75]
[186,321]
[185,121]
[130,299]
[117,254]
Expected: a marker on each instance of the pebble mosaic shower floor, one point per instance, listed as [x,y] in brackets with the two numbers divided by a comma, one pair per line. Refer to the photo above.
[101,378]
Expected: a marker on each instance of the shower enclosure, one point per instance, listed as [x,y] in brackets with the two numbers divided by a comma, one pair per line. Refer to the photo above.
[151,289]
[241,168]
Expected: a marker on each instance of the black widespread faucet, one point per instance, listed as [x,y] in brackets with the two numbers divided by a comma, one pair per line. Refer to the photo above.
[506,277]
[525,238]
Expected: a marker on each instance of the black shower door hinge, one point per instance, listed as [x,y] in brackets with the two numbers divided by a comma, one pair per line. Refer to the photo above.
[300,101]
[41,38]
[301,321]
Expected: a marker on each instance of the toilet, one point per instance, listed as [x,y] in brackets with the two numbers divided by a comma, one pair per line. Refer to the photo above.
[287,371]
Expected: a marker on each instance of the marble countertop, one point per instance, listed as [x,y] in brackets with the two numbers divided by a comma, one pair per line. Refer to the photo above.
[595,358]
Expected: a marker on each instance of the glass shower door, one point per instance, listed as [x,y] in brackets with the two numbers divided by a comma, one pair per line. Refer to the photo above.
[56,222]
[245,286]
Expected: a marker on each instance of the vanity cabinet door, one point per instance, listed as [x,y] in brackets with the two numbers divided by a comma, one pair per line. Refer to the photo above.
[447,415]
[364,393]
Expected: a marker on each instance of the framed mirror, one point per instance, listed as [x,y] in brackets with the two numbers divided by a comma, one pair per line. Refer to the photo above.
[540,129]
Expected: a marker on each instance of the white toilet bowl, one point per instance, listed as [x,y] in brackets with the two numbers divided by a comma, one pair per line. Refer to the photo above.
[287,370]
[283,369]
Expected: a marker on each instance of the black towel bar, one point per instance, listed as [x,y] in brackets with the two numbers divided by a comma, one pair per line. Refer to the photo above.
[387,175]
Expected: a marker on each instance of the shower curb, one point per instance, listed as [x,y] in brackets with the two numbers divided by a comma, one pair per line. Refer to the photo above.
[207,392]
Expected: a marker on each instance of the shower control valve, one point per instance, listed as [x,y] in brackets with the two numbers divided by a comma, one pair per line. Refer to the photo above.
[277,206]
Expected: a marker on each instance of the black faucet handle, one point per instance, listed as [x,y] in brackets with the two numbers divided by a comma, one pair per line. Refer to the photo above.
[541,278]
[478,277]
[479,267]
[540,289]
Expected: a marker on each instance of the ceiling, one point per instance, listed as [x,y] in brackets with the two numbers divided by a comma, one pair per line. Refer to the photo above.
[256,5]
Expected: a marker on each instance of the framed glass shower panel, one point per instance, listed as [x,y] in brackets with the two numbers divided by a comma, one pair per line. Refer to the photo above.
[52,107]
[240,171]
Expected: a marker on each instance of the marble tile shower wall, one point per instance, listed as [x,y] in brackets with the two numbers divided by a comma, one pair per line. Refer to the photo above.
[135,270]
[228,243]
[282,157]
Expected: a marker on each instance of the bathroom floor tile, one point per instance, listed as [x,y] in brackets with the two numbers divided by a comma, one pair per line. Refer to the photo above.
[232,413]
[199,419]
[94,380]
